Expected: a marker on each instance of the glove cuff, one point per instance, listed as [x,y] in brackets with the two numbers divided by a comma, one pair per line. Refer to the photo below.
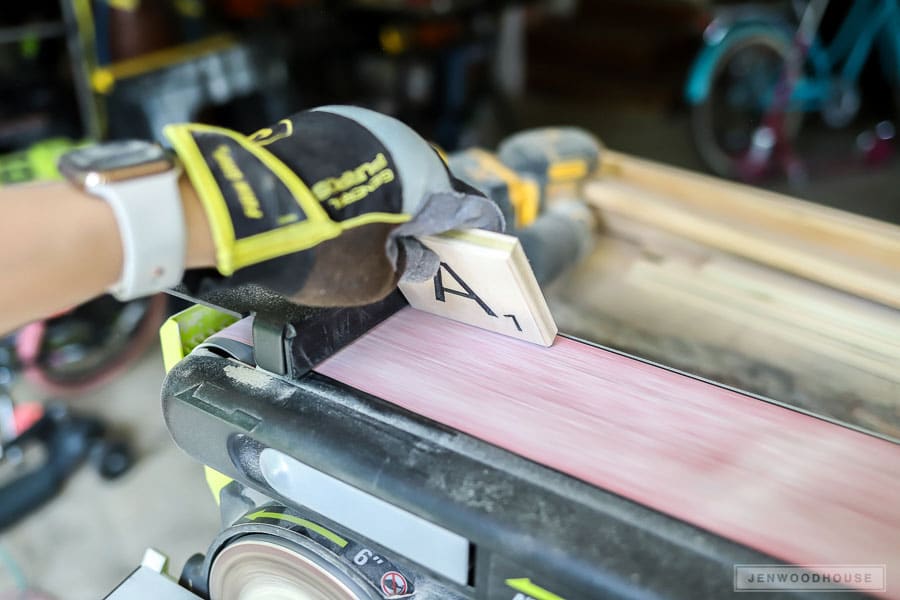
[258,208]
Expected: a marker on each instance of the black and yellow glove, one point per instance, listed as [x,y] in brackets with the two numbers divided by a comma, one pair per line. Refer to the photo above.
[320,206]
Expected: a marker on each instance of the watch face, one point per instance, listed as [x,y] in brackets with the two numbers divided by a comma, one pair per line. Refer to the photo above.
[114,161]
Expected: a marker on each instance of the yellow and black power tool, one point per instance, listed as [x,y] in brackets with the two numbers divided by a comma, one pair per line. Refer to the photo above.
[535,177]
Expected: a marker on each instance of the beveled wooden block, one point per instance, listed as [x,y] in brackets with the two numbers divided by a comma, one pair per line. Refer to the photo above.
[484,280]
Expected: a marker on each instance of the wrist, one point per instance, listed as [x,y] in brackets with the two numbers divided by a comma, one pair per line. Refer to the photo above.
[201,252]
[142,185]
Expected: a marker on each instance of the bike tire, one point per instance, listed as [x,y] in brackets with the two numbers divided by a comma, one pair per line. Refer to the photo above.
[109,359]
[720,154]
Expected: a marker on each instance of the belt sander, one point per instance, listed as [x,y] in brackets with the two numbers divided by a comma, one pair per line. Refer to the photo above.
[382,452]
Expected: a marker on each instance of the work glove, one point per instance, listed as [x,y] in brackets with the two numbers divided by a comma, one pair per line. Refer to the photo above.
[322,206]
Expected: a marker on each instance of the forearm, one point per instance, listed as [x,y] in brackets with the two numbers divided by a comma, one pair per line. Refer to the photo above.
[62,247]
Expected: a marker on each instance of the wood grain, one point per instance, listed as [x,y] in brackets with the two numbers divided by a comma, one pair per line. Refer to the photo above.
[787,484]
[824,262]
[835,335]
[844,251]
[797,361]
[812,221]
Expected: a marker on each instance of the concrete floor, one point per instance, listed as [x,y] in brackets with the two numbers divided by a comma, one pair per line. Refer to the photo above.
[81,544]
[90,537]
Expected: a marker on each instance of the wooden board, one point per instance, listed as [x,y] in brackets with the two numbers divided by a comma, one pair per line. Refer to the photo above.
[813,221]
[485,281]
[859,343]
[759,290]
[844,251]
[787,484]
[738,322]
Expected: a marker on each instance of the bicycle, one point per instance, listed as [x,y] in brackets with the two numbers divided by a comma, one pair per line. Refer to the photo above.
[759,73]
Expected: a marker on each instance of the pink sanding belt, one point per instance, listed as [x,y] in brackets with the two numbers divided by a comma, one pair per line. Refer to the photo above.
[792,486]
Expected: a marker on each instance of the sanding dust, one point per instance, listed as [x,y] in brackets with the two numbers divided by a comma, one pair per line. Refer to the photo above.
[254,378]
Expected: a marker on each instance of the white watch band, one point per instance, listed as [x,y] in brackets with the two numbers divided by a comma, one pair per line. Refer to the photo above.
[152,227]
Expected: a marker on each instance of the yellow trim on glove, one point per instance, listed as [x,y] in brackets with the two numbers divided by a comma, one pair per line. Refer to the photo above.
[232,254]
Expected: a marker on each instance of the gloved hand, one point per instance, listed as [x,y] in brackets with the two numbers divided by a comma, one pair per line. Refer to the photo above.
[321,206]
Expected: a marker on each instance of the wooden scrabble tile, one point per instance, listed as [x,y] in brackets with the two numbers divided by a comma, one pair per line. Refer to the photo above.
[486,281]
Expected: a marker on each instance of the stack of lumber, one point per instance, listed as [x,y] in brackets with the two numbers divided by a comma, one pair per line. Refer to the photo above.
[845,251]
[777,296]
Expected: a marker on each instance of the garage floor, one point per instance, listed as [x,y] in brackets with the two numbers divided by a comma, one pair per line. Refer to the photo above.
[81,544]
[86,540]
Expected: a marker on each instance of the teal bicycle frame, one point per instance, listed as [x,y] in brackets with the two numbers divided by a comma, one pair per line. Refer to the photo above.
[868,22]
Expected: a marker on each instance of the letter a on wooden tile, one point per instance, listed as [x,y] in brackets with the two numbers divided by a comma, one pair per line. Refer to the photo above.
[486,281]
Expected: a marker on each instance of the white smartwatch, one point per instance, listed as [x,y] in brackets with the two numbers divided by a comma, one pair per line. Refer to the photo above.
[139,180]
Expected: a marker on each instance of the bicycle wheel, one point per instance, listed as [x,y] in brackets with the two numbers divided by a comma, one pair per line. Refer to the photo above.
[84,348]
[744,79]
